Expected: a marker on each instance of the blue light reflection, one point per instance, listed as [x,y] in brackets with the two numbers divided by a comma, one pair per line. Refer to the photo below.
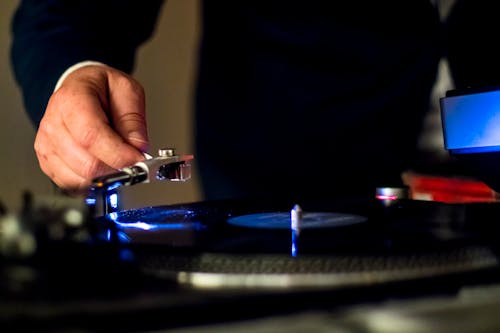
[113,200]
[90,201]
[172,226]
[151,219]
[295,241]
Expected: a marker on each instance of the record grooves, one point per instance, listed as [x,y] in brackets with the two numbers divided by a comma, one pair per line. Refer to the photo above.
[215,270]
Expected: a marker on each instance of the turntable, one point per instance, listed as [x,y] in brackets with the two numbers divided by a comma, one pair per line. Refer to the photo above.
[245,258]
[238,244]
[263,244]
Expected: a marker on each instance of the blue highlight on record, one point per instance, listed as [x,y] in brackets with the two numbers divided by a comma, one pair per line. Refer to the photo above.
[155,219]
[310,220]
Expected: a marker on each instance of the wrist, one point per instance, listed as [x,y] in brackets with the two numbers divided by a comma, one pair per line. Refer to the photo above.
[75,67]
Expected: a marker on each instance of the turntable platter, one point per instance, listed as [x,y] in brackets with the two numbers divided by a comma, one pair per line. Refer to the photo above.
[261,271]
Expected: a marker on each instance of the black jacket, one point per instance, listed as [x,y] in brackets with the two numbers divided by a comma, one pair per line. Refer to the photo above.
[294,99]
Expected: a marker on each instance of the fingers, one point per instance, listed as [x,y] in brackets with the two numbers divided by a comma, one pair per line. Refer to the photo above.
[57,170]
[127,105]
[54,139]
[90,132]
[86,133]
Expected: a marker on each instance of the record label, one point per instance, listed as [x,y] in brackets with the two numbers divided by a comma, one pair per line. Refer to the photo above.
[282,220]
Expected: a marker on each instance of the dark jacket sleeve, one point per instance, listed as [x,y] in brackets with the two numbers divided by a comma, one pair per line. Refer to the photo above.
[49,36]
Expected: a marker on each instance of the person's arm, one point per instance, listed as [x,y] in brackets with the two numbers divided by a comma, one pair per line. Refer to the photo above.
[50,36]
[94,122]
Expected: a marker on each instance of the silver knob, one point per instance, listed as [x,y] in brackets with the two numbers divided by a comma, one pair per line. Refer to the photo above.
[166,152]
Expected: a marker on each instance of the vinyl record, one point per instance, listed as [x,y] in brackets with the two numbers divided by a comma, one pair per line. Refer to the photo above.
[355,225]
[242,244]
[236,227]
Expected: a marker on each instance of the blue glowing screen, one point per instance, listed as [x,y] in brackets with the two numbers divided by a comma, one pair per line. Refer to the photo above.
[471,122]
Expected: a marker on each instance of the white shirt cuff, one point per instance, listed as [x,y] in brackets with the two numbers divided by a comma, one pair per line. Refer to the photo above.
[74,68]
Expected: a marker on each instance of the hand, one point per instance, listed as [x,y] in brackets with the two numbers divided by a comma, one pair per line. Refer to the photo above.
[94,124]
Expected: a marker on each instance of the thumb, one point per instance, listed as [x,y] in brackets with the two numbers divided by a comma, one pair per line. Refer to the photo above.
[127,109]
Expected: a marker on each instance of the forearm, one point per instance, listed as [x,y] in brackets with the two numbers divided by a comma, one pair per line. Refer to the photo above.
[51,36]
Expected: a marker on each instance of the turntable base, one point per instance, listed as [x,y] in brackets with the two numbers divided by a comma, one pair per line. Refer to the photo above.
[472,310]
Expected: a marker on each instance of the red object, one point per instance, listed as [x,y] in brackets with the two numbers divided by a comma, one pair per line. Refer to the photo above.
[448,189]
